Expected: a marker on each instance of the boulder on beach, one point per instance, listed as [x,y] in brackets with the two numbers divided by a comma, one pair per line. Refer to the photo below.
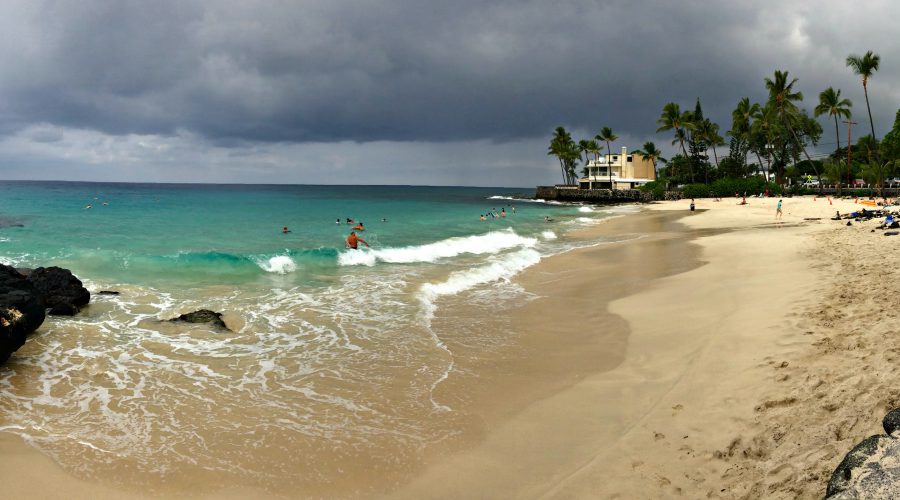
[203,316]
[21,310]
[62,292]
[872,468]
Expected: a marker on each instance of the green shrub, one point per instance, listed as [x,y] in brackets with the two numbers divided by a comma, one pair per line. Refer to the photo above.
[656,188]
[695,191]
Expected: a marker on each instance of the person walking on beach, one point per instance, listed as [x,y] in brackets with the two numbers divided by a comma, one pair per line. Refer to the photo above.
[692,204]
[353,240]
[778,213]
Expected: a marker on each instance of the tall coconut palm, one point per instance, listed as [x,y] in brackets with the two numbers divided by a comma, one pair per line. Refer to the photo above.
[783,97]
[560,148]
[865,67]
[673,119]
[741,122]
[709,133]
[830,103]
[584,147]
[607,135]
[651,152]
[589,147]
[763,131]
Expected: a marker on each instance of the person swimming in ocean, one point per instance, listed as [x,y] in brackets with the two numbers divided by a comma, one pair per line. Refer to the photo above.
[285,230]
[359,227]
[353,240]
[338,221]
[502,212]
[349,220]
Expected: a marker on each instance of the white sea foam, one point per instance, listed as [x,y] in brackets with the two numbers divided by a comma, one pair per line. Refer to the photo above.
[585,209]
[500,268]
[528,200]
[280,264]
[548,235]
[489,243]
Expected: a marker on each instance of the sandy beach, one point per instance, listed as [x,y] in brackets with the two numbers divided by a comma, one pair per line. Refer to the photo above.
[721,354]
[747,376]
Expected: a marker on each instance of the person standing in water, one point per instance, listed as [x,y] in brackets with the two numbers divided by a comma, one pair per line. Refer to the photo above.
[353,240]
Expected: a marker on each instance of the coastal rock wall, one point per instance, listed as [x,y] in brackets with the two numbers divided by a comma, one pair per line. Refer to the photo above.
[591,195]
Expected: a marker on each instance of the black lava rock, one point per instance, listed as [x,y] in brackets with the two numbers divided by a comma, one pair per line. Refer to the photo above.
[891,421]
[203,316]
[21,310]
[61,291]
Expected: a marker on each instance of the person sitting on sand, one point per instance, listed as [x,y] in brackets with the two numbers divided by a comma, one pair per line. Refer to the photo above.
[285,230]
[359,227]
[743,201]
[353,240]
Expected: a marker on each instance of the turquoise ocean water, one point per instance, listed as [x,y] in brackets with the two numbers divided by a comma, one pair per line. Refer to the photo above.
[338,359]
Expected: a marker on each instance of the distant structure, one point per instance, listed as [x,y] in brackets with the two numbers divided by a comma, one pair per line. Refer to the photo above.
[628,171]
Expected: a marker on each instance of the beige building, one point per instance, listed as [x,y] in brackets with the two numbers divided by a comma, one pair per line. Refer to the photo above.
[629,171]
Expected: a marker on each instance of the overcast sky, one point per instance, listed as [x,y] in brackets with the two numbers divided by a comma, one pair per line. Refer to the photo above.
[401,91]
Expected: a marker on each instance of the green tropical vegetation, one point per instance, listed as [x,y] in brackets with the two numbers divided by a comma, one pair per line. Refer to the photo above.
[767,141]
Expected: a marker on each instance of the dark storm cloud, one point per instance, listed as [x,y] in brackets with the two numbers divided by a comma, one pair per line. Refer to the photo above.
[404,70]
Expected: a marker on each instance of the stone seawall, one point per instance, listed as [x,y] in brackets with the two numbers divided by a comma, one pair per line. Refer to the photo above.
[608,196]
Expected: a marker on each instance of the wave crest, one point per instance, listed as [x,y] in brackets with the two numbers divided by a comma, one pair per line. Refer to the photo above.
[489,243]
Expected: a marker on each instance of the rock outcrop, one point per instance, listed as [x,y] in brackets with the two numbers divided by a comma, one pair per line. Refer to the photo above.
[21,310]
[872,468]
[62,292]
[203,316]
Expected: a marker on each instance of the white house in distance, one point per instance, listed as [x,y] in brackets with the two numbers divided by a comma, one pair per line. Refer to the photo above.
[628,171]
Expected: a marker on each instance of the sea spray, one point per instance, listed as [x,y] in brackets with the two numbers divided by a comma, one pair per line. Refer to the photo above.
[280,264]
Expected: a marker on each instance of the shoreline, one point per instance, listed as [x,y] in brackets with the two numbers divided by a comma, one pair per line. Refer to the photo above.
[690,401]
[656,405]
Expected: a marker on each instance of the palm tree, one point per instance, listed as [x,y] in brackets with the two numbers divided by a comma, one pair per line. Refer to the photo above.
[709,133]
[865,67]
[673,119]
[560,148]
[606,134]
[740,121]
[594,148]
[584,146]
[651,152]
[783,97]
[763,129]
[830,103]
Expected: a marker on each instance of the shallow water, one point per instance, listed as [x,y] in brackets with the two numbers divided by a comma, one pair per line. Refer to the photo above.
[333,368]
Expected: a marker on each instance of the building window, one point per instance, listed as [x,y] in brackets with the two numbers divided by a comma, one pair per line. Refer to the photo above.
[615,158]
[629,158]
